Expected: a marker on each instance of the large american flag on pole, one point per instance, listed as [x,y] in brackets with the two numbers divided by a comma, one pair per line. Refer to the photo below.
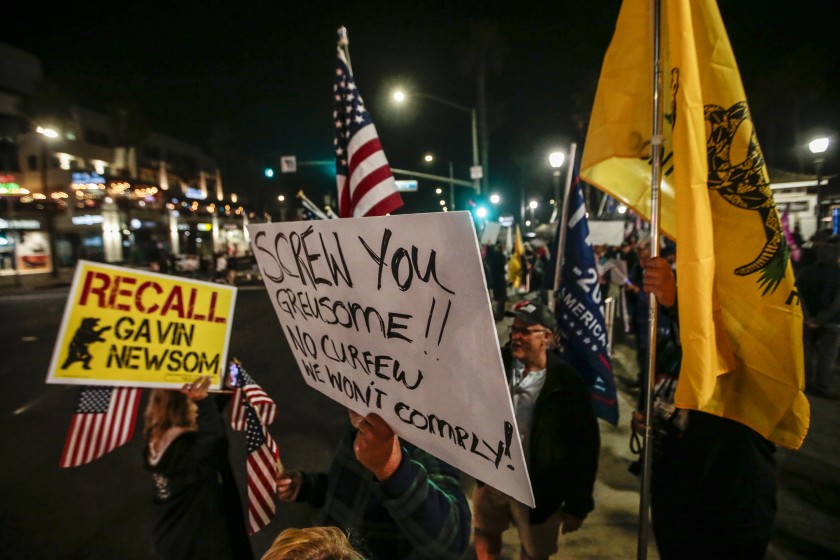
[104,420]
[246,393]
[263,463]
[365,183]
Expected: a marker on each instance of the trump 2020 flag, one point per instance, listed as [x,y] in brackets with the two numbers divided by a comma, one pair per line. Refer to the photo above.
[104,420]
[740,319]
[580,315]
[366,185]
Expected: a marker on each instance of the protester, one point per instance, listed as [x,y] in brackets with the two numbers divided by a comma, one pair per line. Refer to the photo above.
[560,439]
[819,291]
[401,501]
[638,305]
[197,509]
[312,543]
[497,278]
[713,480]
[221,267]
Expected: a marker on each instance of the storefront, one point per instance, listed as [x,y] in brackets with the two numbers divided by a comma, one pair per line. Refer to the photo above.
[24,247]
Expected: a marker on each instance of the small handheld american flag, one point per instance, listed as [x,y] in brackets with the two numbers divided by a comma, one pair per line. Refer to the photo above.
[247,391]
[104,420]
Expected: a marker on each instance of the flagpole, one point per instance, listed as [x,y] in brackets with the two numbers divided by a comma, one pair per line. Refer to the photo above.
[344,45]
[564,218]
[656,177]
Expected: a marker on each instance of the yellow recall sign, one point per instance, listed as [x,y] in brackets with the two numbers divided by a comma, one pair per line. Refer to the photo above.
[128,327]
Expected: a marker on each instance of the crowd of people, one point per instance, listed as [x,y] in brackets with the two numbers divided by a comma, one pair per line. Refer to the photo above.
[713,482]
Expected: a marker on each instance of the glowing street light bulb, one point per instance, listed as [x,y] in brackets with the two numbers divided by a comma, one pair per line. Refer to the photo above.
[494,199]
[622,209]
[818,145]
[399,96]
[438,190]
[481,212]
[556,159]
[442,202]
[48,132]
[428,158]
[533,205]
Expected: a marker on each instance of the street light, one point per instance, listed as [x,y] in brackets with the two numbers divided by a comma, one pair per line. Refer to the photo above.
[555,160]
[429,158]
[48,134]
[495,199]
[818,147]
[400,96]
[533,206]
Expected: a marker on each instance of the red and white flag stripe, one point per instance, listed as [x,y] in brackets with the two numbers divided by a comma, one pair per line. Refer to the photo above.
[93,434]
[262,466]
[263,405]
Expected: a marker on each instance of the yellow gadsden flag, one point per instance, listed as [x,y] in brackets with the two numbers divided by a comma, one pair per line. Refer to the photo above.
[515,262]
[740,320]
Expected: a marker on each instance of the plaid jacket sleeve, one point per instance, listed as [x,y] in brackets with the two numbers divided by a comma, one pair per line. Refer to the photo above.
[426,501]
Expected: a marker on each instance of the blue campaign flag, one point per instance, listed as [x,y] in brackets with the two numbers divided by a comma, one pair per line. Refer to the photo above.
[580,316]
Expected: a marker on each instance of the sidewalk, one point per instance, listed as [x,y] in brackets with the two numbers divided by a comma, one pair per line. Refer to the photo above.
[11,284]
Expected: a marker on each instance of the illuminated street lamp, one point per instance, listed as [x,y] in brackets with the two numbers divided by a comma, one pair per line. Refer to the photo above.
[47,134]
[495,198]
[400,96]
[818,147]
[555,160]
[430,158]
[533,206]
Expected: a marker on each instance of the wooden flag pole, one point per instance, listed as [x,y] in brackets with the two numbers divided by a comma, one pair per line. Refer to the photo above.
[648,378]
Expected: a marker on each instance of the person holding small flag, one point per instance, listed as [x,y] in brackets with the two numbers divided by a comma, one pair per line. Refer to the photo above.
[197,509]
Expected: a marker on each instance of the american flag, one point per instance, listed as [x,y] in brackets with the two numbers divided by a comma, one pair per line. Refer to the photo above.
[365,184]
[263,463]
[104,420]
[310,210]
[248,394]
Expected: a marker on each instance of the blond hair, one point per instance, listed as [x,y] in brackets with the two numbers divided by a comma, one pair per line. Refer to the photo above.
[167,409]
[312,543]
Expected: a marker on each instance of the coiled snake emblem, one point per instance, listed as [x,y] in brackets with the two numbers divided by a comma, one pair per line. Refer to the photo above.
[744,185]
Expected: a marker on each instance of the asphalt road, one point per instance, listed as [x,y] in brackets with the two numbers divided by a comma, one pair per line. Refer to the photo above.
[103,509]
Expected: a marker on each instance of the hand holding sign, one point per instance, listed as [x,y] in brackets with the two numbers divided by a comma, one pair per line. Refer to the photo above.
[376,445]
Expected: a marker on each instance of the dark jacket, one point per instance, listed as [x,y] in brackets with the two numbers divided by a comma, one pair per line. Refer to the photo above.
[420,512]
[197,509]
[565,443]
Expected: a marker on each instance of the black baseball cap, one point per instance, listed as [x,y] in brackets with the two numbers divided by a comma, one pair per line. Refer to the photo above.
[533,313]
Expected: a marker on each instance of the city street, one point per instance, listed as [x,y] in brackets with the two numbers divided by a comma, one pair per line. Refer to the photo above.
[103,509]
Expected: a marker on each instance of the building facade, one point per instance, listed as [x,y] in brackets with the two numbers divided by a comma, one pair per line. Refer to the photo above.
[70,190]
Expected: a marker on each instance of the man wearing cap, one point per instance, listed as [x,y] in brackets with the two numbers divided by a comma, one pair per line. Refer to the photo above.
[560,439]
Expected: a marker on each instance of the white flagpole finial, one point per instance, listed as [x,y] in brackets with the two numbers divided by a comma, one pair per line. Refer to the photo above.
[343,40]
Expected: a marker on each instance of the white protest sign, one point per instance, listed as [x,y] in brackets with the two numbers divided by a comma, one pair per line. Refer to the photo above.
[606,232]
[491,233]
[391,315]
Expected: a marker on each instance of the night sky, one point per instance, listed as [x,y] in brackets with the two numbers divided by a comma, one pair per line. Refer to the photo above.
[263,71]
